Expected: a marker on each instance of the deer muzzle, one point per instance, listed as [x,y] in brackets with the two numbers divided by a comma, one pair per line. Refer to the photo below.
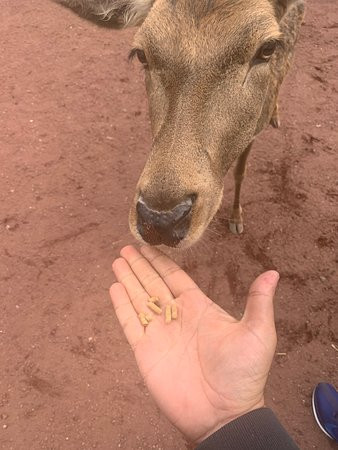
[168,227]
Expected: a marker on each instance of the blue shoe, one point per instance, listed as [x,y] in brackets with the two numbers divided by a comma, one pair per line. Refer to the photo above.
[325,409]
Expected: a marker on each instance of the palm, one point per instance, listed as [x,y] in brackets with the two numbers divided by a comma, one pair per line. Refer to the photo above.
[185,364]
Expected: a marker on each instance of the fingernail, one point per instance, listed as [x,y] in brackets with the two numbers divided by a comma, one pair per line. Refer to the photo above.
[273,276]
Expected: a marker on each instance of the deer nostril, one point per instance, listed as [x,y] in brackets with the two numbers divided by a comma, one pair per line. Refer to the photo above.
[164,218]
[166,226]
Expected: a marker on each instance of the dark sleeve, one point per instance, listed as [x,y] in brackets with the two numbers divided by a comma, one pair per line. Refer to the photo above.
[256,430]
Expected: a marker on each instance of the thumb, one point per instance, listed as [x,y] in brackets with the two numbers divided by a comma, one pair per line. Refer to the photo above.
[259,306]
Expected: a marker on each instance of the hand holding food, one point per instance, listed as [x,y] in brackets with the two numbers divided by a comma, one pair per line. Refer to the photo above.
[206,368]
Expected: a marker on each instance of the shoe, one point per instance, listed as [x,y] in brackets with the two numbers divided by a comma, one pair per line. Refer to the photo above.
[325,409]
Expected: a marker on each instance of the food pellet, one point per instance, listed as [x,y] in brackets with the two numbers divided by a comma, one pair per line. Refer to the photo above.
[168,314]
[155,300]
[149,317]
[174,311]
[143,319]
[156,309]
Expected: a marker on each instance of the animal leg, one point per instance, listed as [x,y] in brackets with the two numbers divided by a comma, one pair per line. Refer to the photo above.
[236,220]
[275,121]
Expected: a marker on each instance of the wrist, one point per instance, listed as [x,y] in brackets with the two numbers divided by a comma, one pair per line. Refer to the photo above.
[229,418]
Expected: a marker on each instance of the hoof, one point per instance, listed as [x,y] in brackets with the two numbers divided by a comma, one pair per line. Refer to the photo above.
[275,122]
[236,227]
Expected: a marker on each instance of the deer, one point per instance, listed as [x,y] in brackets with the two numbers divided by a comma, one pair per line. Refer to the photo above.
[213,71]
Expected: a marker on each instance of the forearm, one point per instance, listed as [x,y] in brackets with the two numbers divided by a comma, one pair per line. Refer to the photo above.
[257,430]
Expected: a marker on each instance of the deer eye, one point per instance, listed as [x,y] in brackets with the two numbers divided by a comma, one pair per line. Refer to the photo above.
[266,51]
[140,56]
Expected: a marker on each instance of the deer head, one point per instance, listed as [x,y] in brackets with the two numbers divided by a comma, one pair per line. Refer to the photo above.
[212,71]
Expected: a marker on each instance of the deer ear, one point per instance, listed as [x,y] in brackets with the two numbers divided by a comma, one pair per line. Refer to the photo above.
[111,13]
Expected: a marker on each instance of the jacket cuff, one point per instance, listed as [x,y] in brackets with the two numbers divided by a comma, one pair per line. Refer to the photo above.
[256,430]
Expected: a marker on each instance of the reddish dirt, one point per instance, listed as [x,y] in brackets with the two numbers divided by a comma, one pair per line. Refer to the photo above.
[74,139]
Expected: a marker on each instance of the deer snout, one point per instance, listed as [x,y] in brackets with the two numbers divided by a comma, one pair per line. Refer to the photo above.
[167,226]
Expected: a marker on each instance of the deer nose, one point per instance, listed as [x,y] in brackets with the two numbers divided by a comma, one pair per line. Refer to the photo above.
[166,227]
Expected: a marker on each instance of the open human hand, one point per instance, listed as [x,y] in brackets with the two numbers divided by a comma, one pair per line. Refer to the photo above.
[206,368]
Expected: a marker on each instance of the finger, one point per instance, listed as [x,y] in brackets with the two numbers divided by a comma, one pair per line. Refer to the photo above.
[134,288]
[174,277]
[259,307]
[146,274]
[126,314]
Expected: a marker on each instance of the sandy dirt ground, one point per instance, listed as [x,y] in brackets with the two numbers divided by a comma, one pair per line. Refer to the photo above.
[74,136]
